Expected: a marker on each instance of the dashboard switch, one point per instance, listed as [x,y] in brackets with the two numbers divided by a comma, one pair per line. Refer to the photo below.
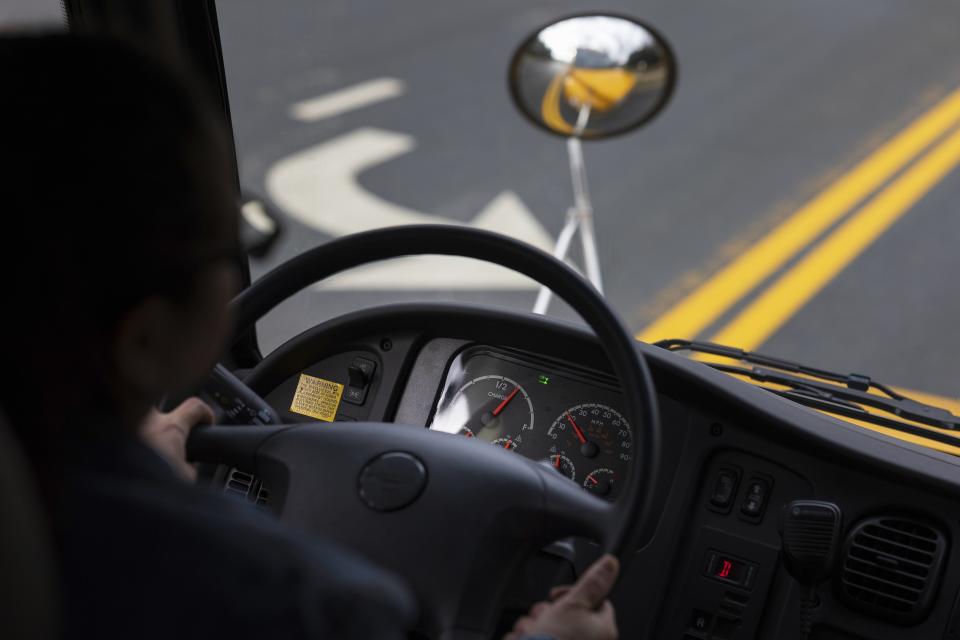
[756,498]
[359,376]
[724,488]
[361,372]
[730,569]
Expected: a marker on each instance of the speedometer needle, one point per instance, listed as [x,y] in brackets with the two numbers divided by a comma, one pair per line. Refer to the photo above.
[582,438]
[505,402]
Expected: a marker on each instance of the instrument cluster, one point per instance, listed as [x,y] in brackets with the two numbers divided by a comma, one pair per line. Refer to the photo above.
[564,417]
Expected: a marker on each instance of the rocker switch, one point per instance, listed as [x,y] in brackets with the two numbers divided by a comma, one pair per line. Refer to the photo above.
[756,498]
[724,489]
[359,375]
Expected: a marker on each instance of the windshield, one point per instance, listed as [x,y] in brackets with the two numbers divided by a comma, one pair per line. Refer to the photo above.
[797,195]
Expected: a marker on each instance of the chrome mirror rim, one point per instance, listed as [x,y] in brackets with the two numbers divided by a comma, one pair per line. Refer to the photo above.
[658,106]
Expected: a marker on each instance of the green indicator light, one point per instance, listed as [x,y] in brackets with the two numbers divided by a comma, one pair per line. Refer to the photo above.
[543,379]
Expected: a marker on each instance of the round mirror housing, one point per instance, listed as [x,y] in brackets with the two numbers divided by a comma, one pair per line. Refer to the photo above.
[592,76]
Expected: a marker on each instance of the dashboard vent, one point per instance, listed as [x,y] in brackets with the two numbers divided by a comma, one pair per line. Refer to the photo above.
[891,568]
[246,486]
[238,484]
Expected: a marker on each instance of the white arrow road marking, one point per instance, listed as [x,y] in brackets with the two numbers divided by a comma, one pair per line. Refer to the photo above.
[355,97]
[318,187]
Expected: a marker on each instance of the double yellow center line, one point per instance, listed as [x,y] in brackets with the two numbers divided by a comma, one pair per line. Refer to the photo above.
[793,289]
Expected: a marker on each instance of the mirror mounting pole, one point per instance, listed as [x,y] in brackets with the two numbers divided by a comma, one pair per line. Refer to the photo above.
[582,201]
[579,217]
[589,76]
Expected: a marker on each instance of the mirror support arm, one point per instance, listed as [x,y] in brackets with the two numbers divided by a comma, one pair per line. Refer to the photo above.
[579,217]
[582,200]
[560,253]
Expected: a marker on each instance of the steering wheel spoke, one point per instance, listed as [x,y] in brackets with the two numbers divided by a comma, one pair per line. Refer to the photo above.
[573,511]
[235,446]
[451,510]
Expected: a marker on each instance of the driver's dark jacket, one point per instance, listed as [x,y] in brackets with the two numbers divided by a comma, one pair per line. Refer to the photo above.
[146,555]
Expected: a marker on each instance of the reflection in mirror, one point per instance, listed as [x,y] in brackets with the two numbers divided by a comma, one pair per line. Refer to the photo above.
[592,76]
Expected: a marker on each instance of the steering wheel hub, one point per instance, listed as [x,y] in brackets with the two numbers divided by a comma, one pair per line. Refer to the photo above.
[392,481]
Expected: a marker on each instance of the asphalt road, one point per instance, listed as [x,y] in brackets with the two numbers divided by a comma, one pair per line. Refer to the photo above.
[775,103]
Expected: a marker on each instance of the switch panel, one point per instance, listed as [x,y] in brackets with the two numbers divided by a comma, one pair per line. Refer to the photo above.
[726,582]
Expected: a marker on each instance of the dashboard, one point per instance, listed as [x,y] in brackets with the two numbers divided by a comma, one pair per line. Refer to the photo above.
[565,418]
[733,456]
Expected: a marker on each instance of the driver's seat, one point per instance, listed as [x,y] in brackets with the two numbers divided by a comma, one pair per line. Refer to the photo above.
[28,585]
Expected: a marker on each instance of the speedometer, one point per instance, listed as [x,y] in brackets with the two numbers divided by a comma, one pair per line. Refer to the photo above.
[594,434]
[492,408]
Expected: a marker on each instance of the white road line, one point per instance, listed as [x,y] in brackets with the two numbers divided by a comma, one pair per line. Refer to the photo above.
[355,97]
[318,187]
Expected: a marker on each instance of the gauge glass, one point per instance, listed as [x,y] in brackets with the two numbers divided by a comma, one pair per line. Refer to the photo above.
[492,408]
[595,435]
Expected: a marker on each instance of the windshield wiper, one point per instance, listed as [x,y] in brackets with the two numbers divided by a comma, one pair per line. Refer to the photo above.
[847,394]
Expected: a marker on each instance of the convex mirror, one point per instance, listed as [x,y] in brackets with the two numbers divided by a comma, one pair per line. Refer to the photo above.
[592,76]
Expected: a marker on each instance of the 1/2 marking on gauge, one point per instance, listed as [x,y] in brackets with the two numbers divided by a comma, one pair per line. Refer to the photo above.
[493,408]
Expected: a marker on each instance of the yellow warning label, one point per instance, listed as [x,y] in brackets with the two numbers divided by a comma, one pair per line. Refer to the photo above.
[317,398]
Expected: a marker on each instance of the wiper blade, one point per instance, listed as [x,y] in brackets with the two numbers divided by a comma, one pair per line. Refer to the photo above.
[902,407]
[859,413]
[802,394]
[852,396]
[852,380]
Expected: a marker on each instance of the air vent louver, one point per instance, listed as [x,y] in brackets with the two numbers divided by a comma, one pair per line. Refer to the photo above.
[238,484]
[891,568]
[246,486]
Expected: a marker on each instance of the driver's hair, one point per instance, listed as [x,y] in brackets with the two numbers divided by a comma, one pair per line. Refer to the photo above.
[103,184]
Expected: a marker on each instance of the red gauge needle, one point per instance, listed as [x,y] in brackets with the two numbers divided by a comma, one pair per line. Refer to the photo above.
[557,462]
[592,480]
[582,438]
[508,444]
[506,401]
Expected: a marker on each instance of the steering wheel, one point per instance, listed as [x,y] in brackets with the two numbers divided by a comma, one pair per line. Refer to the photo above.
[450,516]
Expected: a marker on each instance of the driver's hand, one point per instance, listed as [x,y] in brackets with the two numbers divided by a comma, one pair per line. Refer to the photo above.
[578,612]
[167,432]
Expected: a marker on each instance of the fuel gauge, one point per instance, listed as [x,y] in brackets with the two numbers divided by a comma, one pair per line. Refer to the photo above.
[492,408]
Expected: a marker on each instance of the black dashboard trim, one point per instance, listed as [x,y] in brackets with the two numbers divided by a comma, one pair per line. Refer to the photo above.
[707,417]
